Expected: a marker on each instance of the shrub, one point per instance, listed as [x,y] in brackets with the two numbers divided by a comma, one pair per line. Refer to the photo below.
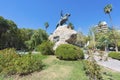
[69,52]
[46,48]
[92,70]
[27,64]
[13,63]
[114,55]
[6,61]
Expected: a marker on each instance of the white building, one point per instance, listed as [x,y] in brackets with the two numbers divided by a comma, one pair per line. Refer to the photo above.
[102,26]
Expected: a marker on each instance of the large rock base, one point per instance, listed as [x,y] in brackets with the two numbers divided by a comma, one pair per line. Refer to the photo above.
[63,35]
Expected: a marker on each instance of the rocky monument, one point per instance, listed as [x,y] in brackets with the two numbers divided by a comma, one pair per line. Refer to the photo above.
[63,34]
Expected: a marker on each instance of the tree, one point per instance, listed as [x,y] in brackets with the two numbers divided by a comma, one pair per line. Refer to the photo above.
[21,39]
[107,10]
[92,34]
[80,41]
[3,25]
[70,25]
[103,41]
[24,35]
[37,38]
[46,24]
[8,34]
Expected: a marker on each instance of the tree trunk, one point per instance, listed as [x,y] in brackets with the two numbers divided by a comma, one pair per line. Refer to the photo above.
[111,21]
[105,48]
[116,48]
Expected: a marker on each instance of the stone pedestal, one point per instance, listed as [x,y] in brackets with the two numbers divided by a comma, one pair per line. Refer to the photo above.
[63,35]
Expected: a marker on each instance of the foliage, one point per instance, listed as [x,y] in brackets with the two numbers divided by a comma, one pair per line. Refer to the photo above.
[27,64]
[69,52]
[46,48]
[81,39]
[8,34]
[13,63]
[93,70]
[24,35]
[119,45]
[6,61]
[3,25]
[37,38]
[21,39]
[114,55]
[64,70]
[11,36]
[103,40]
[92,32]
[108,8]
[70,25]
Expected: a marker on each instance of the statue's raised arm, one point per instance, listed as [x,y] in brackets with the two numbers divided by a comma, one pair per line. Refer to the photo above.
[63,19]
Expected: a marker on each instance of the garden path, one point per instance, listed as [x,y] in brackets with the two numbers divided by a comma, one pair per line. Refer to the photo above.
[110,63]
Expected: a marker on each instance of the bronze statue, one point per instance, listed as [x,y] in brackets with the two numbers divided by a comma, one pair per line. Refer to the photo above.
[63,19]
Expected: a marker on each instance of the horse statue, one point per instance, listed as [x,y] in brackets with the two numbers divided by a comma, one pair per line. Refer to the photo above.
[63,19]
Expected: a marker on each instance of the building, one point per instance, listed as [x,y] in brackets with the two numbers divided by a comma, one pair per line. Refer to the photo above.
[102,26]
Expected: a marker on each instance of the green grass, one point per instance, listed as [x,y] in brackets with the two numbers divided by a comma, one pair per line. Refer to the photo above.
[40,56]
[75,70]
[63,70]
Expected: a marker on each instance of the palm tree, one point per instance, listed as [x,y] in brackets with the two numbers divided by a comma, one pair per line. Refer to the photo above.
[103,40]
[107,10]
[46,25]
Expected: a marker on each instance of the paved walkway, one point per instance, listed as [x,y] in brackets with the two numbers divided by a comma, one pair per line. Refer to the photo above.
[111,63]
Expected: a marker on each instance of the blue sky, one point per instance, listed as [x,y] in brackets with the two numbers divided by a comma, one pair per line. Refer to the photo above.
[34,13]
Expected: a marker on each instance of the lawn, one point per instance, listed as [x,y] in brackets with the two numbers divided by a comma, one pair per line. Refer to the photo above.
[62,70]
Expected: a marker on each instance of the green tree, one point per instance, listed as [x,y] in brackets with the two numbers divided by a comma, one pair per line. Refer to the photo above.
[80,41]
[13,37]
[70,25]
[24,35]
[107,10]
[37,38]
[3,25]
[8,34]
[103,41]
[92,36]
